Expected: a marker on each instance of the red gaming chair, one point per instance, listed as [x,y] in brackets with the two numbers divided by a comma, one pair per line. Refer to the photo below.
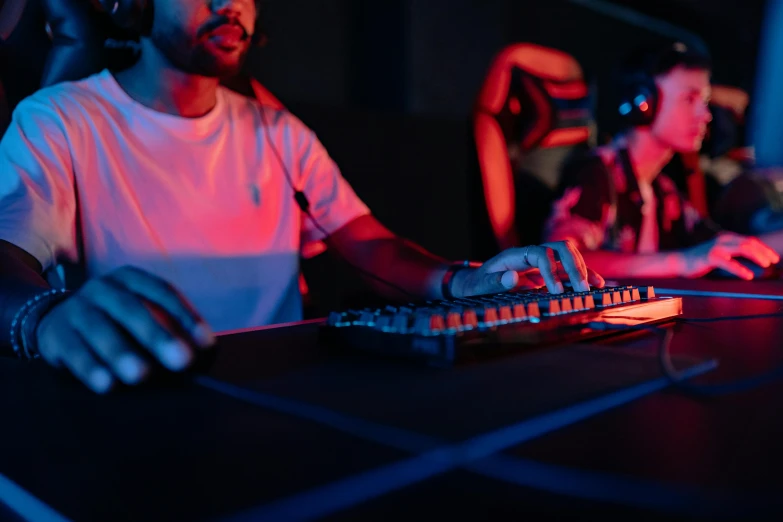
[533,111]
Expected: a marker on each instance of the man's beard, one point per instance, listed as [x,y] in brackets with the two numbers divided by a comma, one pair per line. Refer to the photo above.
[193,57]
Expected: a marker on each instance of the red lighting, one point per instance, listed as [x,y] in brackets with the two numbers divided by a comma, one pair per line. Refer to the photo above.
[644,106]
[514,106]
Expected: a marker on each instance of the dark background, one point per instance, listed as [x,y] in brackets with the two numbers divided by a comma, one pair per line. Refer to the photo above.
[428,57]
[388,85]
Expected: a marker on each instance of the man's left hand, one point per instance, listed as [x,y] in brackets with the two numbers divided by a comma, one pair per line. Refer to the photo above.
[550,263]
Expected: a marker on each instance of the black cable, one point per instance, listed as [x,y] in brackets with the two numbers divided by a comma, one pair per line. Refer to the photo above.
[676,378]
[304,204]
[712,390]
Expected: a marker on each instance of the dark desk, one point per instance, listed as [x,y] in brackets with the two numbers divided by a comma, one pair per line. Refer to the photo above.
[279,429]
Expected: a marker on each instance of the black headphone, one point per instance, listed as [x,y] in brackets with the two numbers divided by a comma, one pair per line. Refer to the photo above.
[639,95]
[136,15]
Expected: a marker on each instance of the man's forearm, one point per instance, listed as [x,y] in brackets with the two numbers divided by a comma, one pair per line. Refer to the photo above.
[414,272]
[619,264]
[395,267]
[20,279]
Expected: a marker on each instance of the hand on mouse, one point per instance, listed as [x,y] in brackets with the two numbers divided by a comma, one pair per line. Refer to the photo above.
[720,251]
[115,326]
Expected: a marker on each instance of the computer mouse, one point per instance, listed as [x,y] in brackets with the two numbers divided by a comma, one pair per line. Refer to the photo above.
[759,272]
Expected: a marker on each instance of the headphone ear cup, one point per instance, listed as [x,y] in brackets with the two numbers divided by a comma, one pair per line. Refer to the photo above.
[135,15]
[639,101]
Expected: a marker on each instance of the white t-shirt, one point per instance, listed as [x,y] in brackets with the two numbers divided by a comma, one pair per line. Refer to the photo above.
[201,202]
[648,233]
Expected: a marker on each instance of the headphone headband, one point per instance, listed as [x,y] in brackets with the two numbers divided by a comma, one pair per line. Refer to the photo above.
[638,103]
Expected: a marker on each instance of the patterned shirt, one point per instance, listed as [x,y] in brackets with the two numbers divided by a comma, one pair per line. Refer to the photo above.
[600,207]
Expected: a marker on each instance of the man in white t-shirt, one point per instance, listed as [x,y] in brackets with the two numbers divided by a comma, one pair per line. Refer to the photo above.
[627,217]
[187,206]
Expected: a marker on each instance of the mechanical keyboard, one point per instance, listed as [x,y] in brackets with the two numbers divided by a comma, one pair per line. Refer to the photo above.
[445,332]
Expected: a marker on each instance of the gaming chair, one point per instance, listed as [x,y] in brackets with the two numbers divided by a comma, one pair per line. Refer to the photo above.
[532,113]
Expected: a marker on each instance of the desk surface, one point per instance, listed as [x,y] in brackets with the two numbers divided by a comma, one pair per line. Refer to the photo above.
[277,428]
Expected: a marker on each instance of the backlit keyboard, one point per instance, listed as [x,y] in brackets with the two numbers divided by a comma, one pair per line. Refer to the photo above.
[444,332]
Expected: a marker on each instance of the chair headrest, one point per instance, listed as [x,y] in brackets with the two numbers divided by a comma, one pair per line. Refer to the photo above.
[79,30]
[539,97]
[726,131]
[10,14]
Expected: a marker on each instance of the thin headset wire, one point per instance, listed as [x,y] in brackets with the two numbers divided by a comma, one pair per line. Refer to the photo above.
[305,207]
[736,386]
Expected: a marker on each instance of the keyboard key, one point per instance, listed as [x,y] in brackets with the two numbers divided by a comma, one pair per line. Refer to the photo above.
[384,322]
[453,321]
[437,323]
[489,317]
[504,314]
[647,292]
[337,319]
[400,322]
[469,319]
[549,306]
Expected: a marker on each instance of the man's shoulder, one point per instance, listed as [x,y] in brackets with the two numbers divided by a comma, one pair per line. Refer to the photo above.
[273,116]
[62,98]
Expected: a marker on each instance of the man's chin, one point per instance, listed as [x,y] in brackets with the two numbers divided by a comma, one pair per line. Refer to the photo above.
[219,65]
[692,145]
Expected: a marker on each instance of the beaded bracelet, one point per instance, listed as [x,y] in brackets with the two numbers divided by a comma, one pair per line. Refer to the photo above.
[18,337]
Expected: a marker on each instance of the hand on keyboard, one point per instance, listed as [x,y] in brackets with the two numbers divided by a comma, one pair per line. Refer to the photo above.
[529,267]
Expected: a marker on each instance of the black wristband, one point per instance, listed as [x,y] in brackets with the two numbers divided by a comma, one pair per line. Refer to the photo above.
[448,277]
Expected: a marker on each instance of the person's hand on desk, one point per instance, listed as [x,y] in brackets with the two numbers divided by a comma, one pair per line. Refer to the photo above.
[115,326]
[719,253]
[551,264]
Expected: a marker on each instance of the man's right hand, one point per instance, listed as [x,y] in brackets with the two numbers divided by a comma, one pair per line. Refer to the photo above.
[117,326]
[720,251]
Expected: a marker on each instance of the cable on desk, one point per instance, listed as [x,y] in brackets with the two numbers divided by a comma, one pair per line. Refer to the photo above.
[678,380]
